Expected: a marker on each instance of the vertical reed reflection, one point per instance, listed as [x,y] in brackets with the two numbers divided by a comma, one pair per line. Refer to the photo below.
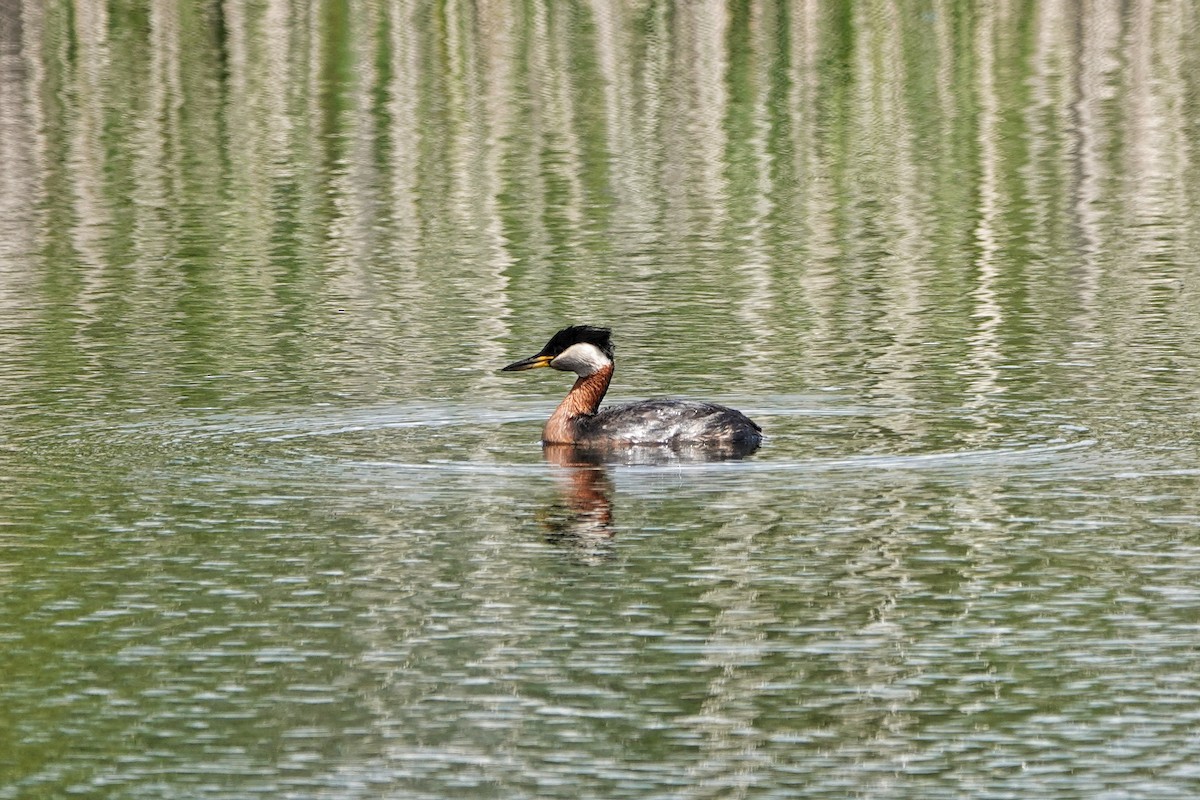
[21,168]
[989,312]
[842,187]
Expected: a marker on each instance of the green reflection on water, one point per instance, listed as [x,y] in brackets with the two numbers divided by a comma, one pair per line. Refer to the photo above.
[274,523]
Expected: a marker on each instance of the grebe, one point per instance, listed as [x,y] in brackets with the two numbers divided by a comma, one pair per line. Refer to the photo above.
[588,352]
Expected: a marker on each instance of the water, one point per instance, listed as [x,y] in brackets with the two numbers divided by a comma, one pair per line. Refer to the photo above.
[273,523]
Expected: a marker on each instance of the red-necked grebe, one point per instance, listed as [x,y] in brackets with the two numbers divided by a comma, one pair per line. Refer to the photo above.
[588,352]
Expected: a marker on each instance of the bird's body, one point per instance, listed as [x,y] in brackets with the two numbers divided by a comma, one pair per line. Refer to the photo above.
[588,352]
[664,421]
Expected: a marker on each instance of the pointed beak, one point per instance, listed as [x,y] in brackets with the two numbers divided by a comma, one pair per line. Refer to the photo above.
[528,363]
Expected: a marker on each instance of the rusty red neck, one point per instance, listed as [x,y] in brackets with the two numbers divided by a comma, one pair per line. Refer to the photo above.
[583,400]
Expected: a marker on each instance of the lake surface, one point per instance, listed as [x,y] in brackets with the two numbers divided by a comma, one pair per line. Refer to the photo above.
[273,524]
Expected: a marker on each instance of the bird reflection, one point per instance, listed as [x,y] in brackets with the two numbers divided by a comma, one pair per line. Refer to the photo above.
[583,518]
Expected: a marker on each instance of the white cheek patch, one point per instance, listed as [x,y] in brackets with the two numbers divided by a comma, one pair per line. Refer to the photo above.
[583,359]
